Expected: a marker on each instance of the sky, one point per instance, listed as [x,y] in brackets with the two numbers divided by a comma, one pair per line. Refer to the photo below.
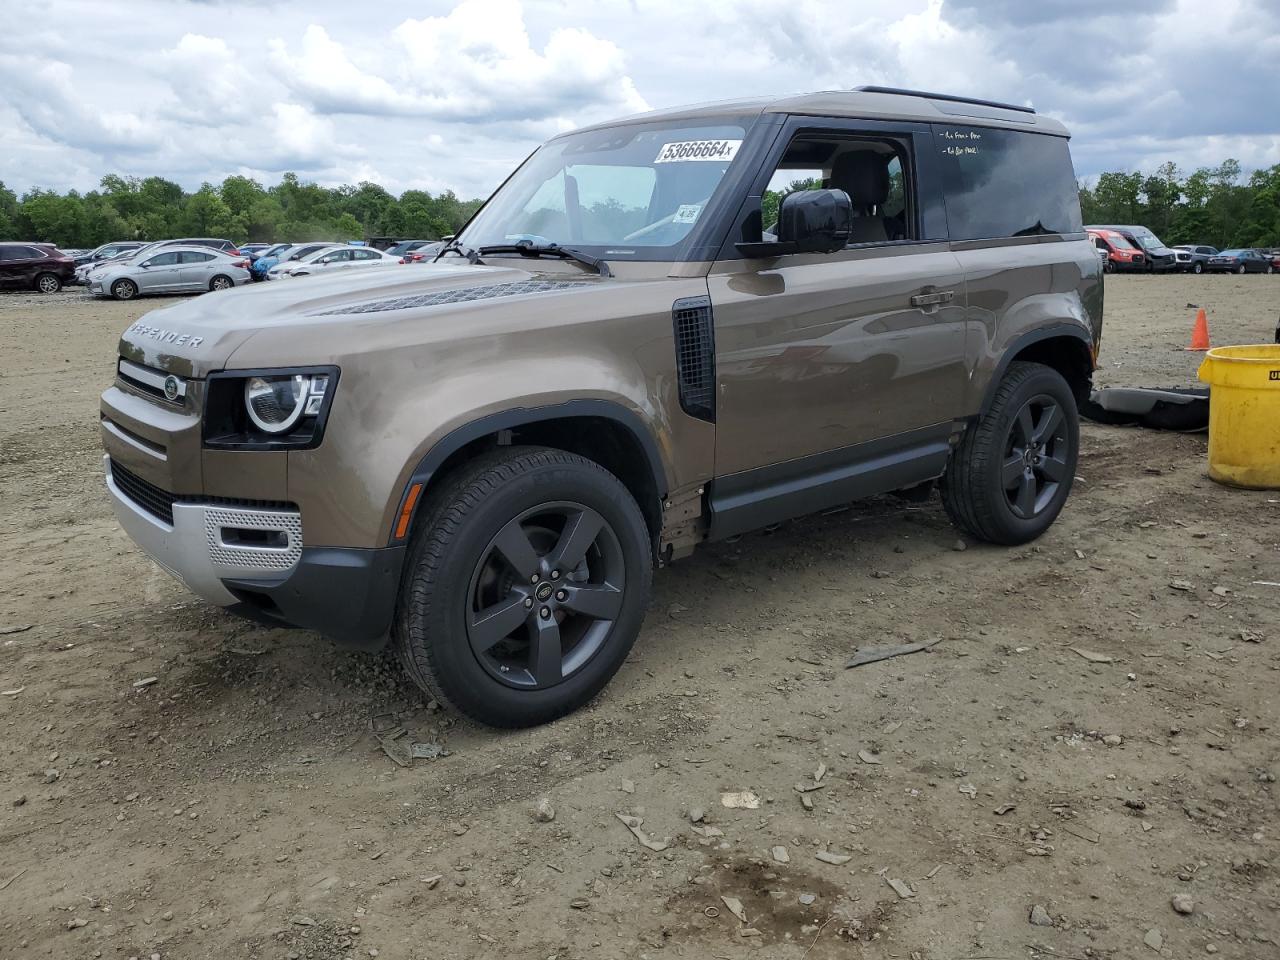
[452,94]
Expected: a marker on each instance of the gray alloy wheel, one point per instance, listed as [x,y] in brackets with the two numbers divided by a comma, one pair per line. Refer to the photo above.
[48,283]
[1035,456]
[545,594]
[220,282]
[1241,269]
[124,289]
[1198,268]
[525,584]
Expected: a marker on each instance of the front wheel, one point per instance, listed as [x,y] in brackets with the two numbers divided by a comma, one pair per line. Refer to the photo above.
[1010,475]
[1198,268]
[124,289]
[1241,269]
[526,583]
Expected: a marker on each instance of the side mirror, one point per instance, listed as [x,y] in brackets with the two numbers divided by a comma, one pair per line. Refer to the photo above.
[809,221]
[816,221]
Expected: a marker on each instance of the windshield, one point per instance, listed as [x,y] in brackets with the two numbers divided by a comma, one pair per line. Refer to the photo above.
[1231,253]
[632,191]
[1148,241]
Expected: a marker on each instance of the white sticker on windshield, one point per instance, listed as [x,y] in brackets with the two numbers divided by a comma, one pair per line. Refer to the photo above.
[718,150]
[687,213]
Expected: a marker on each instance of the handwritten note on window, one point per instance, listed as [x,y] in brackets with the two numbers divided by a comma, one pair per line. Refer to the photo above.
[963,142]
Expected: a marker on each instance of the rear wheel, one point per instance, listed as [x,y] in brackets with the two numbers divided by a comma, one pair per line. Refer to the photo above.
[1011,473]
[220,282]
[124,289]
[526,584]
[48,283]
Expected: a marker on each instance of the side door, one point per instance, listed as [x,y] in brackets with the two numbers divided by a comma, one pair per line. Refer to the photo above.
[364,257]
[196,269]
[159,273]
[9,274]
[838,375]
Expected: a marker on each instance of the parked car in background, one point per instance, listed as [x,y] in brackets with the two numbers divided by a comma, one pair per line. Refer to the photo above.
[1192,258]
[291,252]
[107,251]
[331,259]
[252,250]
[1121,255]
[34,266]
[1240,261]
[407,246]
[171,269]
[1274,257]
[424,254]
[1159,258]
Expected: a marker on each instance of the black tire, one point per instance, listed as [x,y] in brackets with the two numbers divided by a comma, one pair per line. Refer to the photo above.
[124,289]
[221,282]
[1242,270]
[986,474]
[456,571]
[1198,268]
[1108,267]
[48,283]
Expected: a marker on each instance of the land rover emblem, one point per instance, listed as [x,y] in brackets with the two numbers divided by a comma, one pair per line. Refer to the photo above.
[171,387]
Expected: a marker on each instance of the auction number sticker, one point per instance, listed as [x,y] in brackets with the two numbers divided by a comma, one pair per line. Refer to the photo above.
[717,150]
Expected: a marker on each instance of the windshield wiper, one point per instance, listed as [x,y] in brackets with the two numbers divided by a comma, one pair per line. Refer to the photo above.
[453,246]
[527,248]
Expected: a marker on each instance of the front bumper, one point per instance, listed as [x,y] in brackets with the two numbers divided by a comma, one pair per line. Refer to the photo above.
[253,562]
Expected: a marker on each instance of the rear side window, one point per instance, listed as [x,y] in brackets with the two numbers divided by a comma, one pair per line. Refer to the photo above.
[190,256]
[1004,183]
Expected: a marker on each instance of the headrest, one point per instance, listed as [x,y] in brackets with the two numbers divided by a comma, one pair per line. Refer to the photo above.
[863,175]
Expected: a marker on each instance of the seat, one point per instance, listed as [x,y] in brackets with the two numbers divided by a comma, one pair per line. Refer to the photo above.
[864,176]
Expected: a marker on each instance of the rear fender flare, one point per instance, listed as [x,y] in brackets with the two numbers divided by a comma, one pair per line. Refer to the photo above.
[1064,329]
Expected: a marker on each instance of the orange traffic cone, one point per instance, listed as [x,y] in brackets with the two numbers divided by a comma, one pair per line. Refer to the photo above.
[1200,332]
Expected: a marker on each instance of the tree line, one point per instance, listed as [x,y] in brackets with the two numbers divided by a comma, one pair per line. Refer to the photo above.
[240,210]
[1212,205]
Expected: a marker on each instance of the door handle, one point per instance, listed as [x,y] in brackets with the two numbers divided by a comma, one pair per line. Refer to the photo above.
[932,300]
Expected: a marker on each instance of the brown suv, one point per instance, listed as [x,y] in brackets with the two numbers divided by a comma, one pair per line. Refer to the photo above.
[657,332]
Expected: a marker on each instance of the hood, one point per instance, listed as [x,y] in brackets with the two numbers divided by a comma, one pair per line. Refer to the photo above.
[198,336]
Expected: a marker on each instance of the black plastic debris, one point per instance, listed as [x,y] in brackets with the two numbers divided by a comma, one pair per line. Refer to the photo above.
[1184,409]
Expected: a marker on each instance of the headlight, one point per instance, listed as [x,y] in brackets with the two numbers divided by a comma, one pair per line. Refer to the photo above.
[268,409]
[276,404]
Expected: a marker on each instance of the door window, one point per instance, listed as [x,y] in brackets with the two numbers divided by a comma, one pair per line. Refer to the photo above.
[873,172]
[367,255]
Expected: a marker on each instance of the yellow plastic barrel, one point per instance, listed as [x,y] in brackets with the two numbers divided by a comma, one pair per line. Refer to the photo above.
[1244,414]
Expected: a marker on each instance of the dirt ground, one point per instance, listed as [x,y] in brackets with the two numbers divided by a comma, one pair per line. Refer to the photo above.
[238,807]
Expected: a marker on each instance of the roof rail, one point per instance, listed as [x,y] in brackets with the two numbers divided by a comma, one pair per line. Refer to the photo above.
[944,96]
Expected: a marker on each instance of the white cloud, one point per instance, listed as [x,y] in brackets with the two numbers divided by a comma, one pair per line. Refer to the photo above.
[341,92]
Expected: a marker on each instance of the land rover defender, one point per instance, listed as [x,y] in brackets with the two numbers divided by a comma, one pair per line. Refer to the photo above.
[661,331]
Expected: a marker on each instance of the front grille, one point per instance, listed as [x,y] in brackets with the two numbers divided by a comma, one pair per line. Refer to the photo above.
[150,381]
[159,503]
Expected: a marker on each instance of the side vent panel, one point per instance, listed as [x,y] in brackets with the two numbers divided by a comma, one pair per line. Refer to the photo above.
[695,356]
